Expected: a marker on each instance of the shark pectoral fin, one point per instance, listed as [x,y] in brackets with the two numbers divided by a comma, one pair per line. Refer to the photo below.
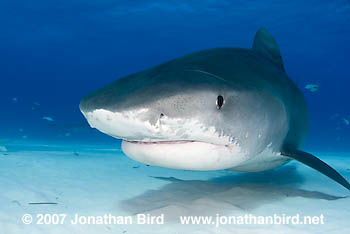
[265,44]
[317,164]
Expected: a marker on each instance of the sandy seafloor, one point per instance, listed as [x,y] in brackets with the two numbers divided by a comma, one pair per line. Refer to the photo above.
[90,180]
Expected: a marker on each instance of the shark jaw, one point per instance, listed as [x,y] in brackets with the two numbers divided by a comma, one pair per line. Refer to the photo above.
[171,143]
[186,155]
[179,144]
[201,156]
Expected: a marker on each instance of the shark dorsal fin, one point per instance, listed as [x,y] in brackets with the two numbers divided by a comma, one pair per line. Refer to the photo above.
[265,44]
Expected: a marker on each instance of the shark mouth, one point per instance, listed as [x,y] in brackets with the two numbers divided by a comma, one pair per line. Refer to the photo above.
[171,142]
[184,154]
[174,143]
[162,142]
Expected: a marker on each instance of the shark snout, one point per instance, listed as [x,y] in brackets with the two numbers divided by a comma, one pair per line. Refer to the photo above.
[128,122]
[84,106]
[132,125]
[123,115]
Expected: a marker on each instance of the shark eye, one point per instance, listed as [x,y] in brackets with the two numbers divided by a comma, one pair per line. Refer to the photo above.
[219,102]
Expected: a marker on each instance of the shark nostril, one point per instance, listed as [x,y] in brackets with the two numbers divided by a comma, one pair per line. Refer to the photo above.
[161,115]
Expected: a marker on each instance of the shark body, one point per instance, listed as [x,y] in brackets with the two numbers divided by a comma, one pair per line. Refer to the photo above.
[224,108]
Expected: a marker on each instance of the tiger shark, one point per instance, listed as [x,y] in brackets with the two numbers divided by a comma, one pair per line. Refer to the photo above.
[223,108]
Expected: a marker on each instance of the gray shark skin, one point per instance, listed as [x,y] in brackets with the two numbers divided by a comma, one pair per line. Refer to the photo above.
[224,108]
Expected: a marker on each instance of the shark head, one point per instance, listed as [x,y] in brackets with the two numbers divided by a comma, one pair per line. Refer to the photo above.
[185,118]
[209,110]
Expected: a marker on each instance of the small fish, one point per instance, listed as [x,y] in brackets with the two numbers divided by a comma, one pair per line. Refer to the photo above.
[3,149]
[312,87]
[14,99]
[67,134]
[346,121]
[25,137]
[37,103]
[48,118]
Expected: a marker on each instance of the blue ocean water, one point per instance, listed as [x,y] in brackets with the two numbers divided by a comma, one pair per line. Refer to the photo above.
[54,52]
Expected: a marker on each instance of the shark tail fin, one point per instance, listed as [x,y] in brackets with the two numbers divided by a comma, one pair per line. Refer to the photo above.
[317,164]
